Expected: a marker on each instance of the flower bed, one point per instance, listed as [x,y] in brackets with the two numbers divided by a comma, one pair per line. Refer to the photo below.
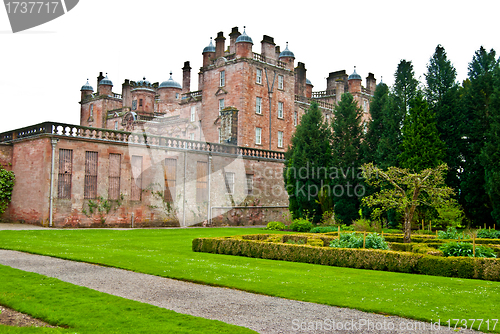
[275,247]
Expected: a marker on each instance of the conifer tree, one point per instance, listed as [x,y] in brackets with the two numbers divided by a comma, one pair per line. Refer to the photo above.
[421,147]
[475,101]
[442,96]
[346,187]
[405,86]
[306,164]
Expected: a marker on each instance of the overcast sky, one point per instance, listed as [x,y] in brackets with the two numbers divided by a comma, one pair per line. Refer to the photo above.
[43,69]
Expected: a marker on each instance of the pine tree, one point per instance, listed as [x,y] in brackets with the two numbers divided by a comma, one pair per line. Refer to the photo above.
[306,164]
[442,95]
[346,187]
[376,125]
[405,86]
[421,148]
[490,154]
[476,99]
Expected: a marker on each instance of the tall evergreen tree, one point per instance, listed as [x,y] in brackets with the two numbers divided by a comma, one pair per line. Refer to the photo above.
[421,147]
[405,85]
[476,99]
[442,95]
[306,163]
[345,186]
[490,154]
[377,125]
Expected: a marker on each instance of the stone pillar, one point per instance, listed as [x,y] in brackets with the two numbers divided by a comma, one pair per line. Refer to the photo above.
[220,42]
[186,78]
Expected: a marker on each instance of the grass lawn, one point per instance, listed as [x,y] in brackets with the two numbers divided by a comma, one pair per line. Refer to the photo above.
[167,253]
[82,310]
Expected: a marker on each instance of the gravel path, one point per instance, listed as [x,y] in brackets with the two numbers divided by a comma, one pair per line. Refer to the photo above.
[261,313]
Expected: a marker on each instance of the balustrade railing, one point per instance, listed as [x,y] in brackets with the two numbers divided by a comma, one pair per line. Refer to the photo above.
[195,94]
[322,104]
[269,61]
[137,138]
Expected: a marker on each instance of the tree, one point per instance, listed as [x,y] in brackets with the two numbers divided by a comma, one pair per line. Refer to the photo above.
[404,191]
[347,157]
[421,147]
[377,124]
[405,86]
[7,180]
[442,96]
[490,154]
[476,103]
[306,164]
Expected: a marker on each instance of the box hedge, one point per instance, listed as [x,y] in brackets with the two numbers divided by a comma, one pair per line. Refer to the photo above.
[276,248]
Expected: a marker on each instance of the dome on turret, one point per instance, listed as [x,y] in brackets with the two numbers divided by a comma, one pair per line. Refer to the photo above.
[170,83]
[210,47]
[355,76]
[143,82]
[87,86]
[287,53]
[244,37]
[308,82]
[106,81]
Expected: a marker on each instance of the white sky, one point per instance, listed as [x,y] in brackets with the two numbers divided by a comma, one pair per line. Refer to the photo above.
[43,69]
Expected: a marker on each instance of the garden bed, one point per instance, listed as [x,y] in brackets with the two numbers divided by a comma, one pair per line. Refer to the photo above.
[314,249]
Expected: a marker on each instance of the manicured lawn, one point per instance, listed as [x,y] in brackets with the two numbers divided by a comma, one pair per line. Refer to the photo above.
[168,253]
[82,310]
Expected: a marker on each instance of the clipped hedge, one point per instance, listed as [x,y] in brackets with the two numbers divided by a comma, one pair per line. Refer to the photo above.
[406,262]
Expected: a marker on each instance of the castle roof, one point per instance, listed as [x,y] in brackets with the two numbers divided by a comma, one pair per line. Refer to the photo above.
[106,81]
[308,82]
[170,83]
[143,82]
[244,37]
[210,47]
[87,86]
[355,76]
[287,53]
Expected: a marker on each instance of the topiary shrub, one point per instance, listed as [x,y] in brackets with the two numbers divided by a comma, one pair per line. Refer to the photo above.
[425,249]
[275,226]
[315,242]
[324,229]
[465,249]
[301,225]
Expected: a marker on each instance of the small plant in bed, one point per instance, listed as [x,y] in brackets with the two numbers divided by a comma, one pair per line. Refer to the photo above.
[488,234]
[353,240]
[301,225]
[465,249]
[275,226]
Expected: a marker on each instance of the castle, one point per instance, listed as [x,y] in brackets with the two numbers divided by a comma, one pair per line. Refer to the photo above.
[168,155]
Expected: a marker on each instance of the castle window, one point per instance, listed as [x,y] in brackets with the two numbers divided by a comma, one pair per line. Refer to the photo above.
[280,109]
[170,177]
[295,116]
[258,136]
[114,176]
[221,104]
[229,178]
[249,184]
[116,125]
[191,136]
[91,110]
[280,82]
[201,182]
[90,181]
[65,172]
[222,78]
[219,135]
[365,106]
[136,178]
[280,138]
[259,76]
[176,96]
[140,102]
[193,113]
[258,105]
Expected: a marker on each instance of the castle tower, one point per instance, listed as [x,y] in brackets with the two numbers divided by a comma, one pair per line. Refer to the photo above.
[105,86]
[86,90]
[371,82]
[288,58]
[208,54]
[143,97]
[268,47]
[309,88]
[169,90]
[300,79]
[354,82]
[244,46]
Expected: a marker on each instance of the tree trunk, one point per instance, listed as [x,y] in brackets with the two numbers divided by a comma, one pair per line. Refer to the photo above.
[407,225]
